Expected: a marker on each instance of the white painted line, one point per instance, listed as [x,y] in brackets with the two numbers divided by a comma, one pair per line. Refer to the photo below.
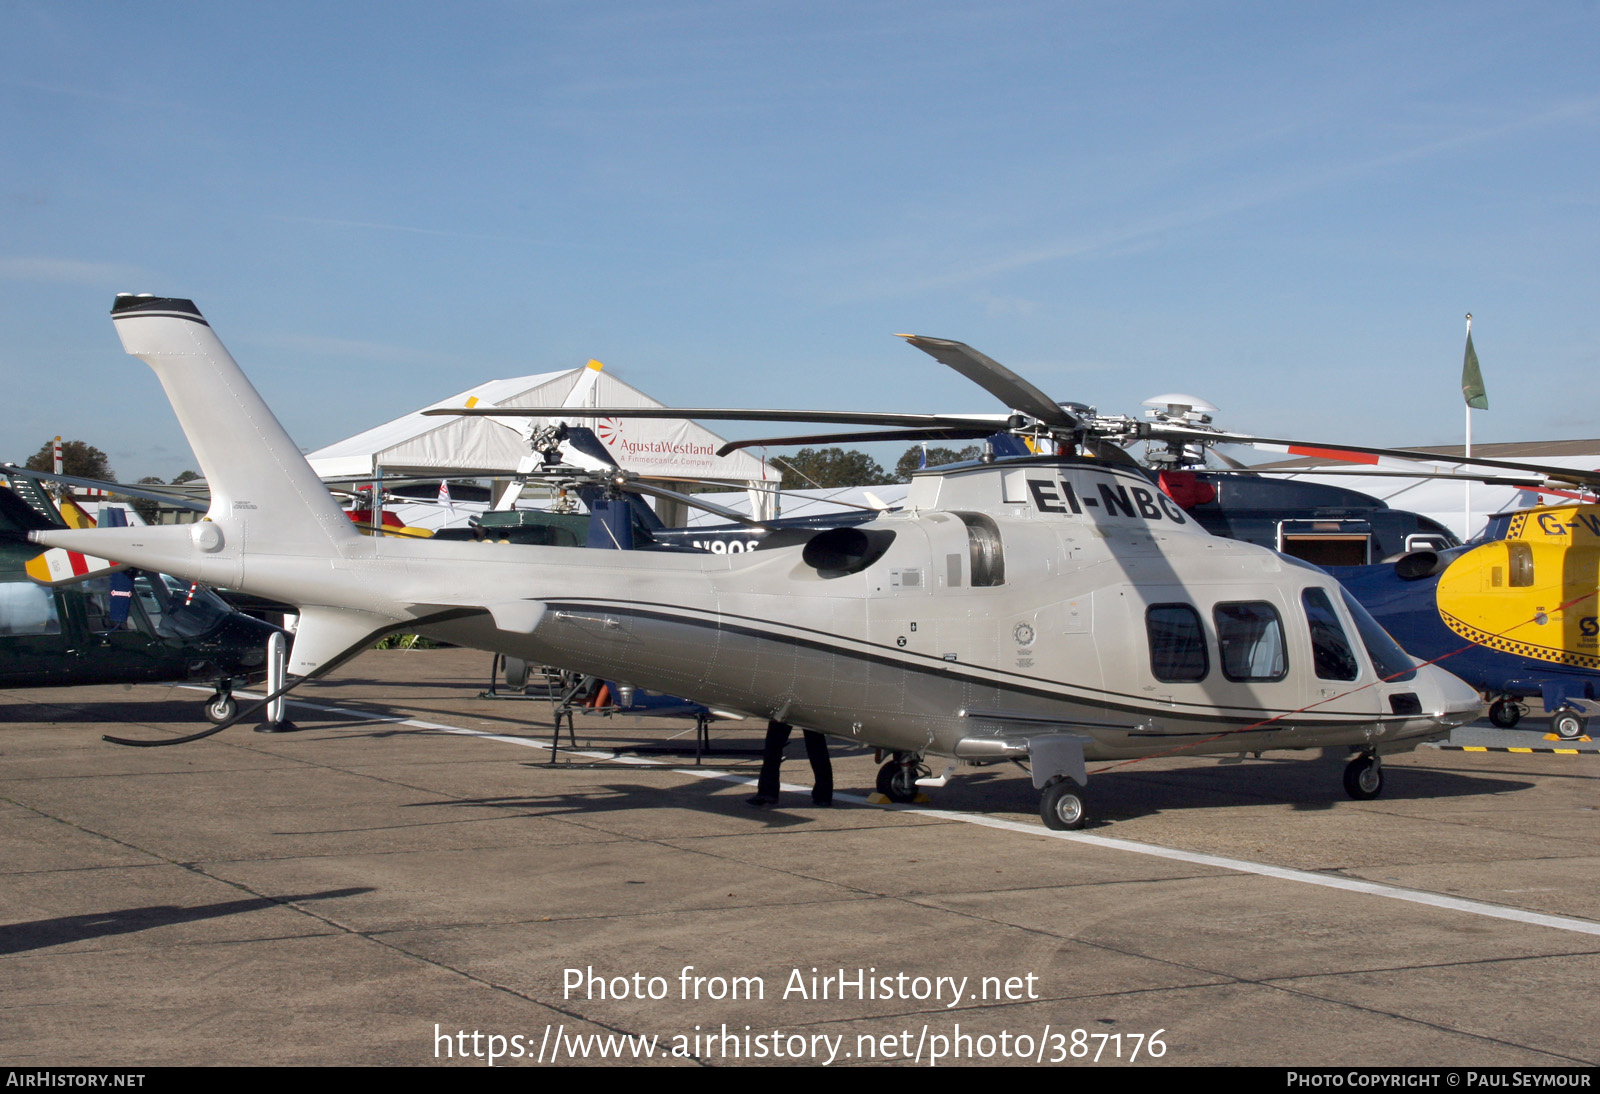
[1304,877]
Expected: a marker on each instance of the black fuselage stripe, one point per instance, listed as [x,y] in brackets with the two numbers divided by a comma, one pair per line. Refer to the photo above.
[937,667]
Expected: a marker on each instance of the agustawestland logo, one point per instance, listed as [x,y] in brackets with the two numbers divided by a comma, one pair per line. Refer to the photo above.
[610,433]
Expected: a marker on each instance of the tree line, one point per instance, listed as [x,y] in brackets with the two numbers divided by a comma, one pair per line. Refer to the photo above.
[85,461]
[811,468]
[807,469]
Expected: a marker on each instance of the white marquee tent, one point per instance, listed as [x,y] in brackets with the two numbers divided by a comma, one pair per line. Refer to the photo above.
[669,449]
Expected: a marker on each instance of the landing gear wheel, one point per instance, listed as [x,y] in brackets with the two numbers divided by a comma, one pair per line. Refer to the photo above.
[897,781]
[1567,725]
[1363,778]
[219,708]
[1505,713]
[1062,806]
[516,672]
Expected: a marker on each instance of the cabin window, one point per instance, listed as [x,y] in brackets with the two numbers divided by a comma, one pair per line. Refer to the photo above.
[1250,641]
[1521,564]
[987,554]
[26,608]
[1392,662]
[1177,644]
[1330,649]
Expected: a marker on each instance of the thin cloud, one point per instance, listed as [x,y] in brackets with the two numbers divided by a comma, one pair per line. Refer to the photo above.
[1150,229]
[368,225]
[351,348]
[585,246]
[105,96]
[68,271]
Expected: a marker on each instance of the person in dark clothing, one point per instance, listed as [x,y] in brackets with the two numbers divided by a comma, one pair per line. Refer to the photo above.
[772,758]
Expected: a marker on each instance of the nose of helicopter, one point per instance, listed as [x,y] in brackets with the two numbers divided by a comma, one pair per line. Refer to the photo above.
[1449,700]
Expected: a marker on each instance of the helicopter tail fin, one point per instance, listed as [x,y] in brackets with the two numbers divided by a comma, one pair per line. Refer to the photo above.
[259,480]
[272,527]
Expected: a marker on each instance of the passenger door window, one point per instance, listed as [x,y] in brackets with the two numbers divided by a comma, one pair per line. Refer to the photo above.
[1250,641]
[1177,643]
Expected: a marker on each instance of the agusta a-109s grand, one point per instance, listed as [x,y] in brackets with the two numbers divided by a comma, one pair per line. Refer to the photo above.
[1050,610]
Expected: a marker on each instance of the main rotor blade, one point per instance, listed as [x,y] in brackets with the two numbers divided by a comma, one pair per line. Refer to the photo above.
[177,500]
[584,440]
[1530,482]
[1557,474]
[992,422]
[964,434]
[689,499]
[1105,450]
[996,379]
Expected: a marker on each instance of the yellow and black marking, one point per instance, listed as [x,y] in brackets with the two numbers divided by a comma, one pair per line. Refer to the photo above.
[1522,649]
[1502,748]
[1571,525]
[1533,594]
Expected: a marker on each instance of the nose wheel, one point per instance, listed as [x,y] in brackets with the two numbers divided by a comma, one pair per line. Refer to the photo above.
[1062,806]
[1506,712]
[897,779]
[1363,777]
[221,706]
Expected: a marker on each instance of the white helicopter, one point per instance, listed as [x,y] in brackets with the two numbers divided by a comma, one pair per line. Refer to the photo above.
[1050,610]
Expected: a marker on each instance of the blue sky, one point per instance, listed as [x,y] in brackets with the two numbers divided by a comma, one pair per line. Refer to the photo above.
[1283,208]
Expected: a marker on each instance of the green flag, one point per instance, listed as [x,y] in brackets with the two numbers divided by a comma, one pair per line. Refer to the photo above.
[1472,379]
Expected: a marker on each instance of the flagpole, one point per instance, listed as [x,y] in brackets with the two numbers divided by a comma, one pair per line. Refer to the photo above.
[1466,521]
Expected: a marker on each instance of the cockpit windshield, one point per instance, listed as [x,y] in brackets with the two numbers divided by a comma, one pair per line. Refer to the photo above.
[178,608]
[1392,662]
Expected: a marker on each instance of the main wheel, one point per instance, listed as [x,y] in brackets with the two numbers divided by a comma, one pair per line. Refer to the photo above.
[1505,713]
[1567,725]
[1062,806]
[219,708]
[1363,778]
[898,781]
